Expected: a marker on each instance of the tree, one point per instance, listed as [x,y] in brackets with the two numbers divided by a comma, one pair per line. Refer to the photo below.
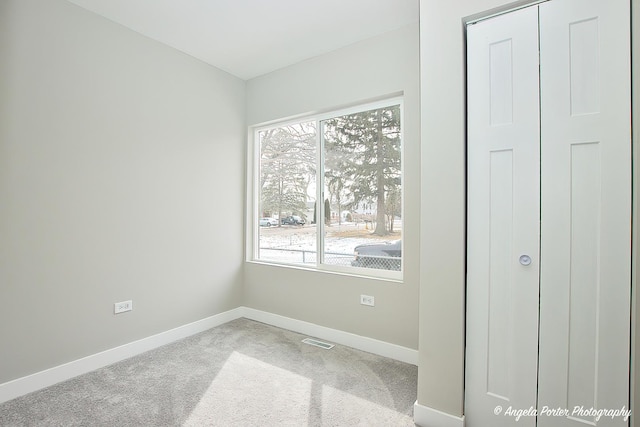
[363,155]
[327,212]
[287,167]
[393,207]
[335,180]
[315,211]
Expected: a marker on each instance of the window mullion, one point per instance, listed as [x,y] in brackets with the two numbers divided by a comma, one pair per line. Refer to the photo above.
[319,193]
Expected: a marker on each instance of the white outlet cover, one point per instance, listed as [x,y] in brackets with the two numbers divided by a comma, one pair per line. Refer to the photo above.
[123,306]
[367,300]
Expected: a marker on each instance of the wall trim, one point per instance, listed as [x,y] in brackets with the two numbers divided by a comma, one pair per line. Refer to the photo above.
[48,377]
[370,345]
[424,416]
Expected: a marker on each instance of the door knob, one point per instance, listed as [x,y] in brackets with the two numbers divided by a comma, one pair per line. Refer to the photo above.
[525,259]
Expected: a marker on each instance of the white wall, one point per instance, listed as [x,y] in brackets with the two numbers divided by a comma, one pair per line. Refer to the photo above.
[370,69]
[635,303]
[120,178]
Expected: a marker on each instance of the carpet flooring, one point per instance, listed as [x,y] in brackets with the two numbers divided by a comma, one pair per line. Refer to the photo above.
[242,373]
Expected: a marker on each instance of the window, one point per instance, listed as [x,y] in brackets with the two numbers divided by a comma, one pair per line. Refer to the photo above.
[328,191]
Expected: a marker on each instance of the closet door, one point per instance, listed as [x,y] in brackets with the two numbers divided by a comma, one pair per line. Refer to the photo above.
[503,217]
[586,209]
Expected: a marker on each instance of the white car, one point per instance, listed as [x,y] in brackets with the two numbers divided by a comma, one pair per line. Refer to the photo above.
[268,222]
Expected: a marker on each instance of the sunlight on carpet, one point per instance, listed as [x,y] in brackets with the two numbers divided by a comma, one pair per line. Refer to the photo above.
[250,389]
[232,397]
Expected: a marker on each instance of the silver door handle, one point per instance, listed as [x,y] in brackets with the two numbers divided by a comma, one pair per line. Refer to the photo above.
[525,260]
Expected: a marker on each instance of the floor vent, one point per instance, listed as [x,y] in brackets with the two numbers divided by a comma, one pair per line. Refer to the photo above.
[317,343]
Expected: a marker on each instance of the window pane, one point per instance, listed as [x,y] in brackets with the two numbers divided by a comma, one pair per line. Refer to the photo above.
[287,194]
[363,189]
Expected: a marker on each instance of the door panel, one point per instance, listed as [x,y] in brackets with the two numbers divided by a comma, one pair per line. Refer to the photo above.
[500,272]
[503,205]
[586,210]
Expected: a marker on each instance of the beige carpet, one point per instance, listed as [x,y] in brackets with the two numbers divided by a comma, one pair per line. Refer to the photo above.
[242,373]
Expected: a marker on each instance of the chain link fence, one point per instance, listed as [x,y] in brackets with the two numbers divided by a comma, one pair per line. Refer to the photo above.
[303,256]
[380,262]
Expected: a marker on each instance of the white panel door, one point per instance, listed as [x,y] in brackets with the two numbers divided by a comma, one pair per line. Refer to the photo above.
[586,209]
[503,205]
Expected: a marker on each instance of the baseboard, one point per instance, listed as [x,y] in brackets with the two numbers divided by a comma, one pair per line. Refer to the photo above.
[424,416]
[336,336]
[49,377]
[21,386]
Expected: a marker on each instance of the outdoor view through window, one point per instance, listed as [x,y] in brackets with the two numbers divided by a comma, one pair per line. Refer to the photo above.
[330,192]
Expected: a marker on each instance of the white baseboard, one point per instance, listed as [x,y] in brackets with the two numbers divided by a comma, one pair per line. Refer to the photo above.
[21,386]
[49,377]
[424,416]
[369,345]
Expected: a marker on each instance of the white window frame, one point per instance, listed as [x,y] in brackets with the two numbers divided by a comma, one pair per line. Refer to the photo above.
[253,192]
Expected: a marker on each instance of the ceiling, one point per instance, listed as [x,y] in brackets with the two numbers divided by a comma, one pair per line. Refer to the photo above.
[248,38]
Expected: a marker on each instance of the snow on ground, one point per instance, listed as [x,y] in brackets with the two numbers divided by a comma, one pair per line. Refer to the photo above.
[298,244]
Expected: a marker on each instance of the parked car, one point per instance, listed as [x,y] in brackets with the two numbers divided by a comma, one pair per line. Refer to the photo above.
[293,220]
[384,256]
[268,222]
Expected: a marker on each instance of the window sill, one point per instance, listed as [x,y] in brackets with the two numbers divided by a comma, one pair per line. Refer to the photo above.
[390,277]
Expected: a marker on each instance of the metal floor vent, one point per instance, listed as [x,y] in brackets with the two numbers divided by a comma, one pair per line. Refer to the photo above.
[317,343]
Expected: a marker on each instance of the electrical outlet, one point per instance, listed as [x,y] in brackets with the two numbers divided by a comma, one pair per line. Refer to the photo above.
[367,300]
[121,307]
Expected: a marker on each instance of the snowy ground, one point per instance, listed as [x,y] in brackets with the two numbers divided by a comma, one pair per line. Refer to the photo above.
[294,244]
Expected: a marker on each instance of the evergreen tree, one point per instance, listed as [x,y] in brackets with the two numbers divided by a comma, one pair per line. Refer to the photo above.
[362,158]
